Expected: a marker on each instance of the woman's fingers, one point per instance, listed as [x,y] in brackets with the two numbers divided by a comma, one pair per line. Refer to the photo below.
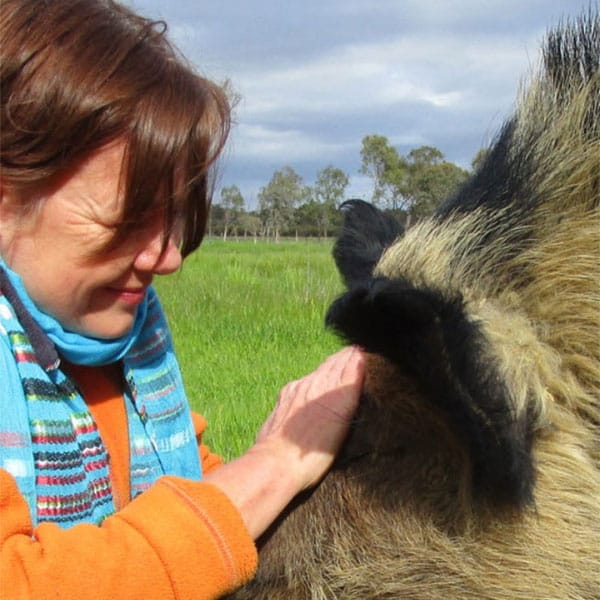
[313,414]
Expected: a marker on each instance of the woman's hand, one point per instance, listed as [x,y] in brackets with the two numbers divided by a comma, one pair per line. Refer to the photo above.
[312,416]
[298,442]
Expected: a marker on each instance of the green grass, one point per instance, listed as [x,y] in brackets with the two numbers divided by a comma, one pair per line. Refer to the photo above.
[247,318]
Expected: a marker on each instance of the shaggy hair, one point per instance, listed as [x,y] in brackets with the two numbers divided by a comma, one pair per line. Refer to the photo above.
[473,468]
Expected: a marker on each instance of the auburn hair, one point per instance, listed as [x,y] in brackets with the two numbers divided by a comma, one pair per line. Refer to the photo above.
[76,75]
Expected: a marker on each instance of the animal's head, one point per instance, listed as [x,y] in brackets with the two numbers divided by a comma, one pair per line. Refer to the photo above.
[432,370]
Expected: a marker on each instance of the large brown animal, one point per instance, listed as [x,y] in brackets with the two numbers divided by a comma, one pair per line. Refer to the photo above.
[473,468]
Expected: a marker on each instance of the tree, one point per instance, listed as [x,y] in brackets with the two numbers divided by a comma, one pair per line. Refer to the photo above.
[386,167]
[215,220]
[250,224]
[431,180]
[232,203]
[425,155]
[307,218]
[278,199]
[329,192]
[412,185]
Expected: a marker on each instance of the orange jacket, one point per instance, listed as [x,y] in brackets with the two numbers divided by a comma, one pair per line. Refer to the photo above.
[180,539]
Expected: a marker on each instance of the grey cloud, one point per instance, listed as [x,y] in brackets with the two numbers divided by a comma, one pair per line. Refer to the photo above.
[317,76]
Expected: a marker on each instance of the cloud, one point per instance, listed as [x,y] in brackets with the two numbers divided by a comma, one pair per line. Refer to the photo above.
[441,72]
[413,89]
[316,77]
[263,143]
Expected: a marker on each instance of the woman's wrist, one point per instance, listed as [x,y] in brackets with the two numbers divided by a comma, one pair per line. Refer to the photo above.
[260,484]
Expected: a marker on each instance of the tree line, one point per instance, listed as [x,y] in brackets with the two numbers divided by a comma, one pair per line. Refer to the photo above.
[411,186]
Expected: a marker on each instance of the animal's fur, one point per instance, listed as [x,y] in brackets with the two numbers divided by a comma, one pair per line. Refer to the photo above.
[473,470]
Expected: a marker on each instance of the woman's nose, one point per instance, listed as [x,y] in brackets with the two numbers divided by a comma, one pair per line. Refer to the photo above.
[157,257]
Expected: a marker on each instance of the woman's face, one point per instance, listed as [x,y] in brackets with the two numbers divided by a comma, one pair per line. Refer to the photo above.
[57,250]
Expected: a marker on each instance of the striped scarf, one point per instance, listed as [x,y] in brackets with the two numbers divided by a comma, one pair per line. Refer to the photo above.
[48,439]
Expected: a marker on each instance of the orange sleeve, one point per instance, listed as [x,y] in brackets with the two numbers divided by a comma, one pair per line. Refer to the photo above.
[210,461]
[180,539]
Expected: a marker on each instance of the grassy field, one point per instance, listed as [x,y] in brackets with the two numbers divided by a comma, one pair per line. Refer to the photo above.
[246,318]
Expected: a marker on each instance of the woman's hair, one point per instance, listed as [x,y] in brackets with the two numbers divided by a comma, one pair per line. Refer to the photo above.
[78,74]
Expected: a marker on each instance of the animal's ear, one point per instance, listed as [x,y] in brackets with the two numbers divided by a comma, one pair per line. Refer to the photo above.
[432,339]
[365,235]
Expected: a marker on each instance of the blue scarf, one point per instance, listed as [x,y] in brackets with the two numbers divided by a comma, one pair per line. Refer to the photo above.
[48,439]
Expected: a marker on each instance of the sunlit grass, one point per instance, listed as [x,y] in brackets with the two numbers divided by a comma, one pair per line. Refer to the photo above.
[246,318]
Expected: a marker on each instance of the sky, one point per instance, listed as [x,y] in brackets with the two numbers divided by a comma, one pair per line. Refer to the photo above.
[315,77]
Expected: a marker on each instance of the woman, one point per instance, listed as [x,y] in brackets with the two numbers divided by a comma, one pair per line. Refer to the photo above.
[108,142]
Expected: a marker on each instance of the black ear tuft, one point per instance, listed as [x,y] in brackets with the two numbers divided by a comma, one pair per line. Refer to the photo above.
[365,234]
[431,338]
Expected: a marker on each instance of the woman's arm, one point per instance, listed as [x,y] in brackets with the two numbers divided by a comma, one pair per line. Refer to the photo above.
[181,538]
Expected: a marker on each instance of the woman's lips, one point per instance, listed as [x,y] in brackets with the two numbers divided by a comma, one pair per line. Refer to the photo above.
[129,295]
